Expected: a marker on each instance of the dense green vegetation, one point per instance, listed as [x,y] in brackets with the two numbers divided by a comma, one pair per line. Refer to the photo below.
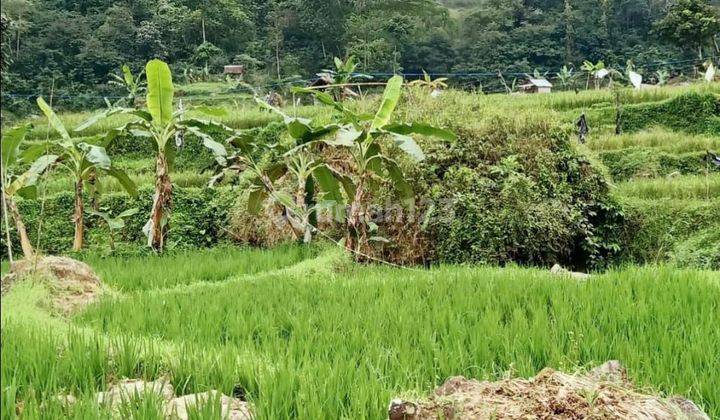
[405,175]
[325,338]
[515,161]
[72,47]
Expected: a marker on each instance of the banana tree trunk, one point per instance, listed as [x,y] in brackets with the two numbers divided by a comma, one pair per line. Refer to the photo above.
[356,236]
[300,197]
[78,217]
[25,244]
[162,203]
[93,183]
[6,217]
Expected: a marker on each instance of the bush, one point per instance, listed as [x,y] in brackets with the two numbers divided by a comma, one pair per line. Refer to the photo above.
[692,112]
[700,250]
[198,219]
[517,191]
[509,189]
[684,230]
[625,164]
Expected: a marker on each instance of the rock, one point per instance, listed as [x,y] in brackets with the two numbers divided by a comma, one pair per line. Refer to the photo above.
[610,371]
[230,408]
[557,269]
[134,388]
[457,384]
[402,410]
[74,284]
[66,399]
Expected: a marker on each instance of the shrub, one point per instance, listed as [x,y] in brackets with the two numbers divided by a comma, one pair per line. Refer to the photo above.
[509,189]
[198,219]
[700,250]
[625,164]
[692,112]
[658,229]
[517,191]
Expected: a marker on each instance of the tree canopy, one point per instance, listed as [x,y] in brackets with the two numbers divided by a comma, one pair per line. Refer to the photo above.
[77,44]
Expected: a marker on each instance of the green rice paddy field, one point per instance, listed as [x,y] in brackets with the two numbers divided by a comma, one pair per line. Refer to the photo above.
[305,333]
[323,338]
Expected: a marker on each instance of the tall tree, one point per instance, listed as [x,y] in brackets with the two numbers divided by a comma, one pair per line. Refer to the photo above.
[692,23]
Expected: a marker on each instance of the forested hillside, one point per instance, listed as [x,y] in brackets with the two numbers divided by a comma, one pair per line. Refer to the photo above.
[76,44]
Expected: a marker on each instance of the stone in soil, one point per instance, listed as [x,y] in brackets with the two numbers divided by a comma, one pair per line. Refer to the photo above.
[230,408]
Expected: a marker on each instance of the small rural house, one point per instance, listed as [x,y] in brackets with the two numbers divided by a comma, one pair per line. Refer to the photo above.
[537,86]
[236,69]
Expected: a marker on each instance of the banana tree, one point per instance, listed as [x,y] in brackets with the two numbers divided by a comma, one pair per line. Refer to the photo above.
[596,70]
[166,128]
[343,74]
[362,136]
[83,160]
[133,84]
[565,76]
[114,223]
[21,184]
[264,164]
[434,86]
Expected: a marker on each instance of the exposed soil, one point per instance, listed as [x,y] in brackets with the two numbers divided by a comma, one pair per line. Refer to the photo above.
[73,283]
[603,393]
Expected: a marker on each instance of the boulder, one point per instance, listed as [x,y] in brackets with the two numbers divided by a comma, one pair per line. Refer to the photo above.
[230,408]
[128,389]
[558,270]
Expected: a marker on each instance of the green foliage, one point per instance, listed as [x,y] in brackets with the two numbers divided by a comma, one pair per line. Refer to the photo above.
[199,218]
[509,192]
[691,112]
[134,85]
[15,178]
[361,137]
[699,250]
[691,23]
[280,38]
[86,158]
[159,93]
[624,164]
[681,229]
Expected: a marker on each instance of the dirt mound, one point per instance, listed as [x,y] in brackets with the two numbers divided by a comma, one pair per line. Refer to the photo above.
[74,284]
[603,393]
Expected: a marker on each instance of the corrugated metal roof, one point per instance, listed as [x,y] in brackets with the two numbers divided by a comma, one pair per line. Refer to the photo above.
[540,82]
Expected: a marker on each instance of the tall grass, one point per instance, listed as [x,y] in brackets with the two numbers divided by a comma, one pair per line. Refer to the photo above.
[694,187]
[186,267]
[662,139]
[239,115]
[341,348]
